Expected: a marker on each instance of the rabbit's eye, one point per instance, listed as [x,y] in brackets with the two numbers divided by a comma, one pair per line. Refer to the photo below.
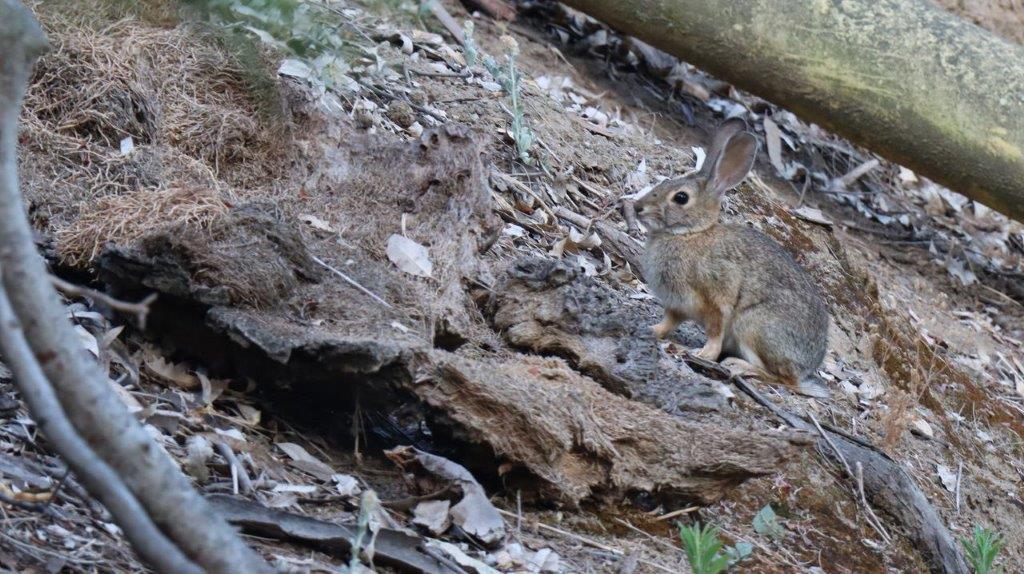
[681,198]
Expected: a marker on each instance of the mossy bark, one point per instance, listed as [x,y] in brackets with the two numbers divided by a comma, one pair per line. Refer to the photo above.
[904,78]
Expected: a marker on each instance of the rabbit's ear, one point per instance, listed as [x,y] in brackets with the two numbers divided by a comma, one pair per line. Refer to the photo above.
[733,163]
[726,130]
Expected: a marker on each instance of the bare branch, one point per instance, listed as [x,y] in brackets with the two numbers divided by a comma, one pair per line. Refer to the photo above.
[98,477]
[81,387]
[140,309]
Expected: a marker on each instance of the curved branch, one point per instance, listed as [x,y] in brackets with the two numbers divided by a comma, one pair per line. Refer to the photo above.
[98,477]
[81,387]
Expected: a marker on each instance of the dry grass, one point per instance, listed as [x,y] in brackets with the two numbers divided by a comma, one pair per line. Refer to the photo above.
[196,124]
[129,217]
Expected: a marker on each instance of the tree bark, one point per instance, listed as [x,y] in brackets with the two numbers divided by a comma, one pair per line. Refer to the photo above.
[82,388]
[99,478]
[904,78]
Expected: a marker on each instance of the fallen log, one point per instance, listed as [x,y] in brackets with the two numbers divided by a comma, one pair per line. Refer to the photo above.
[904,78]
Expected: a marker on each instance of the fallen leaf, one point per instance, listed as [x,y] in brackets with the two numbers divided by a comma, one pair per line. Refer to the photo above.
[474,514]
[250,414]
[813,215]
[426,38]
[432,515]
[233,434]
[409,256]
[773,141]
[302,460]
[129,400]
[956,268]
[88,340]
[346,485]
[947,476]
[545,560]
[176,373]
[295,69]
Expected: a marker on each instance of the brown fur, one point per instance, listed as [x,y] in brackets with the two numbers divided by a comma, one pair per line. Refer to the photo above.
[752,298]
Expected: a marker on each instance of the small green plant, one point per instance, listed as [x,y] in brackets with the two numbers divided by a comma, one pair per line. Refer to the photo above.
[739,552]
[508,78]
[982,548]
[703,548]
[305,29]
[766,523]
[706,553]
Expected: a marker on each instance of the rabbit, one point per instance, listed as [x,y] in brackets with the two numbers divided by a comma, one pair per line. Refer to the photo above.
[755,302]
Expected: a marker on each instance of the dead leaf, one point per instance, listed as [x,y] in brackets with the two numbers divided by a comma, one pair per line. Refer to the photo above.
[409,256]
[956,268]
[302,460]
[88,340]
[433,515]
[346,485]
[133,404]
[773,141]
[175,373]
[474,514]
[812,214]
[426,38]
[947,476]
[250,414]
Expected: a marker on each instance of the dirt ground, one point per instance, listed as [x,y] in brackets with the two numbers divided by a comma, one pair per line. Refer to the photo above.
[243,190]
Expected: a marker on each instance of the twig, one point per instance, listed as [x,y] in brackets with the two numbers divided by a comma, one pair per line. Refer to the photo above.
[845,181]
[573,218]
[352,282]
[676,513]
[832,445]
[408,503]
[649,536]
[589,542]
[576,537]
[959,475]
[80,389]
[99,478]
[140,309]
[239,476]
[872,517]
[519,513]
[446,20]
[33,549]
